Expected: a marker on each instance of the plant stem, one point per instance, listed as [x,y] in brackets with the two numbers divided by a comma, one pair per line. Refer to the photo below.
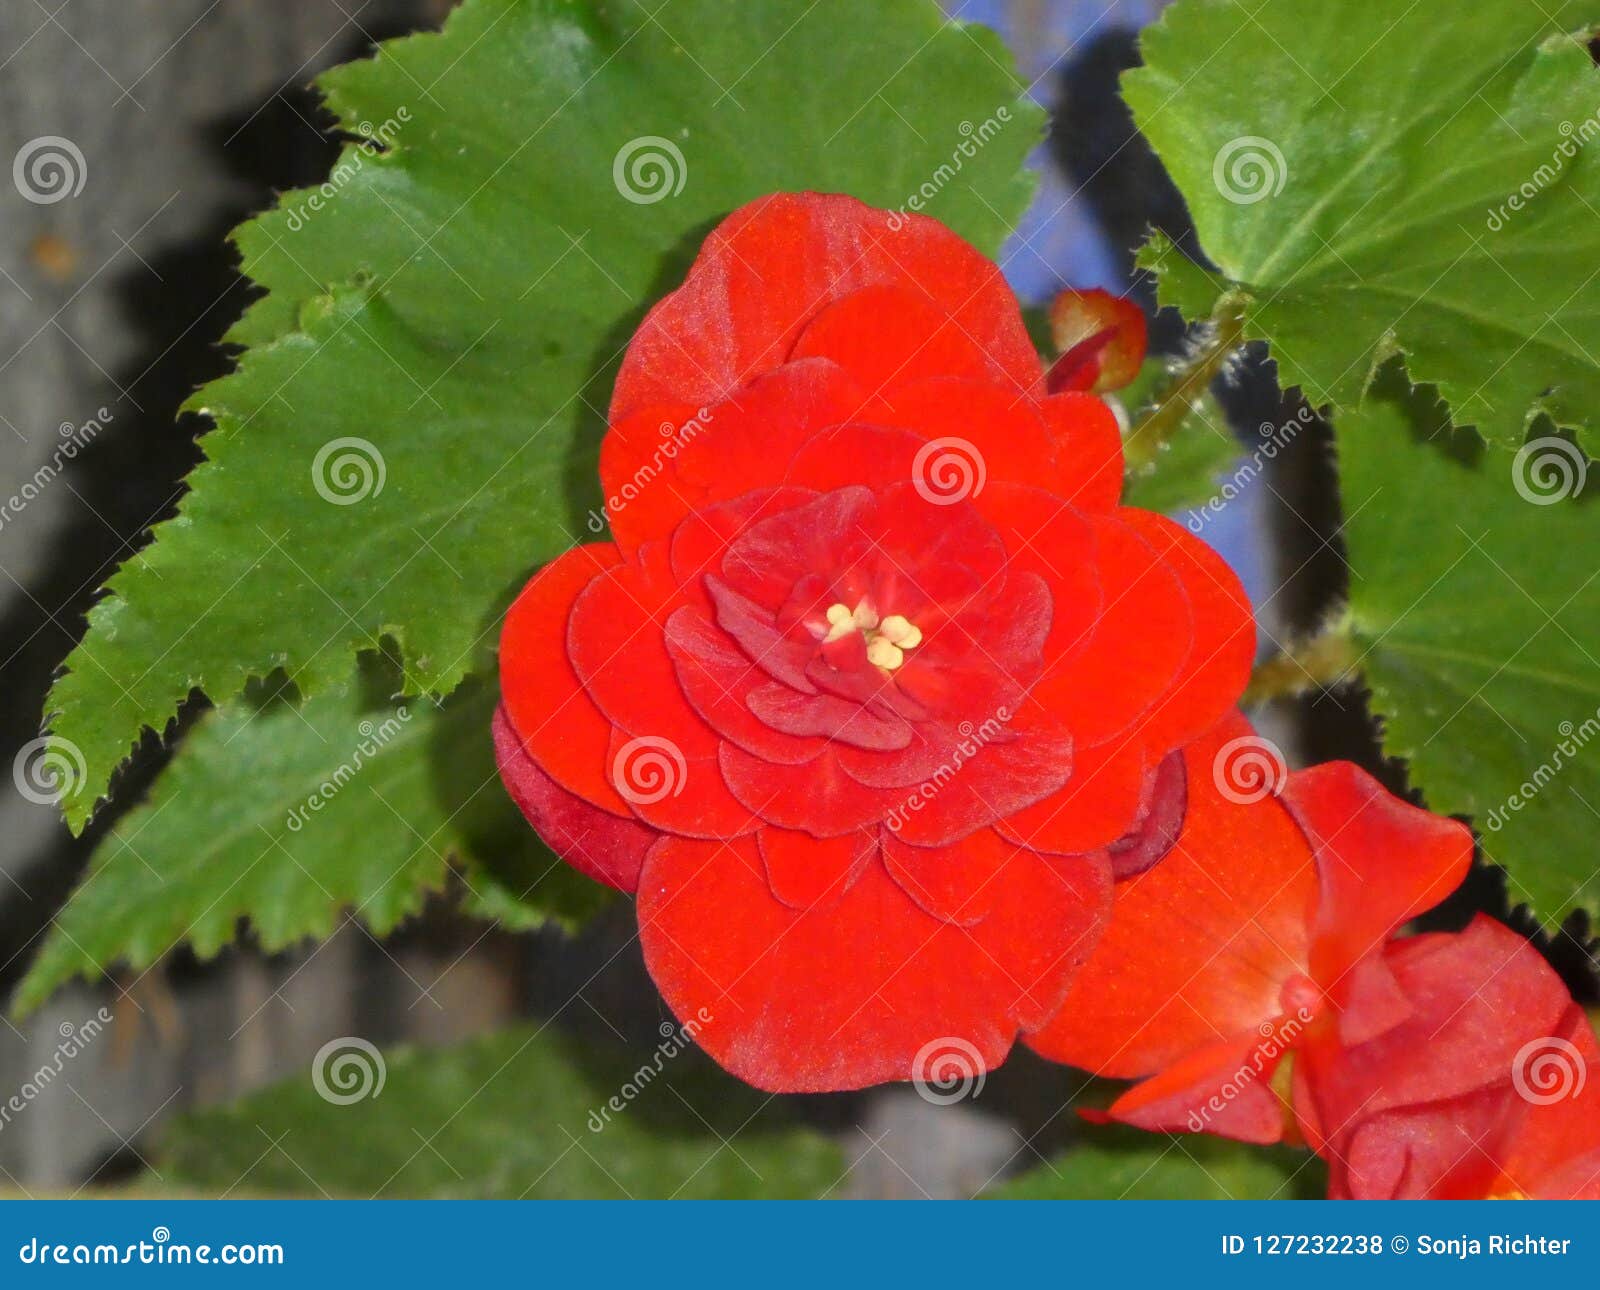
[1321,661]
[1187,387]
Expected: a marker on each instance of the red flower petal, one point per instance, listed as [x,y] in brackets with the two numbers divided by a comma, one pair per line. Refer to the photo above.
[1140,642]
[817,798]
[1218,665]
[1006,435]
[616,639]
[1200,946]
[644,494]
[602,846]
[1056,542]
[887,337]
[699,543]
[717,678]
[806,872]
[1432,1107]
[1381,861]
[1463,990]
[674,793]
[539,688]
[1088,440]
[771,267]
[1099,803]
[960,882]
[1223,1088]
[1000,779]
[798,1002]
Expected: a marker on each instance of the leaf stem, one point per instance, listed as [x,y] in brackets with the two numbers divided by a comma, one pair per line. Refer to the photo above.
[1321,661]
[1223,335]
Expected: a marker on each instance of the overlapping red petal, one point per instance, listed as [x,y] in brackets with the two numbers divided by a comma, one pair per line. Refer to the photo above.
[900,669]
[1482,1089]
[1257,935]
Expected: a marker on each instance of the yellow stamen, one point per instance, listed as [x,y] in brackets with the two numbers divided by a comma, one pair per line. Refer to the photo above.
[901,630]
[887,641]
[881,652]
[841,622]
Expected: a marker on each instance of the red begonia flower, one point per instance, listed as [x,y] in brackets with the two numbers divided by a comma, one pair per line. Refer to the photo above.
[1490,1086]
[874,669]
[1100,339]
[1257,930]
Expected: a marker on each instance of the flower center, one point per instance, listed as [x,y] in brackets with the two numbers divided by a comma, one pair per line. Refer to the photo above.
[887,639]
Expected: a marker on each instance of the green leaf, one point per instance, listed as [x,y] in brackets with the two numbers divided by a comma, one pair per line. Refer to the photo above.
[1188,466]
[1475,608]
[511,1116]
[1126,1164]
[1353,174]
[413,426]
[290,816]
